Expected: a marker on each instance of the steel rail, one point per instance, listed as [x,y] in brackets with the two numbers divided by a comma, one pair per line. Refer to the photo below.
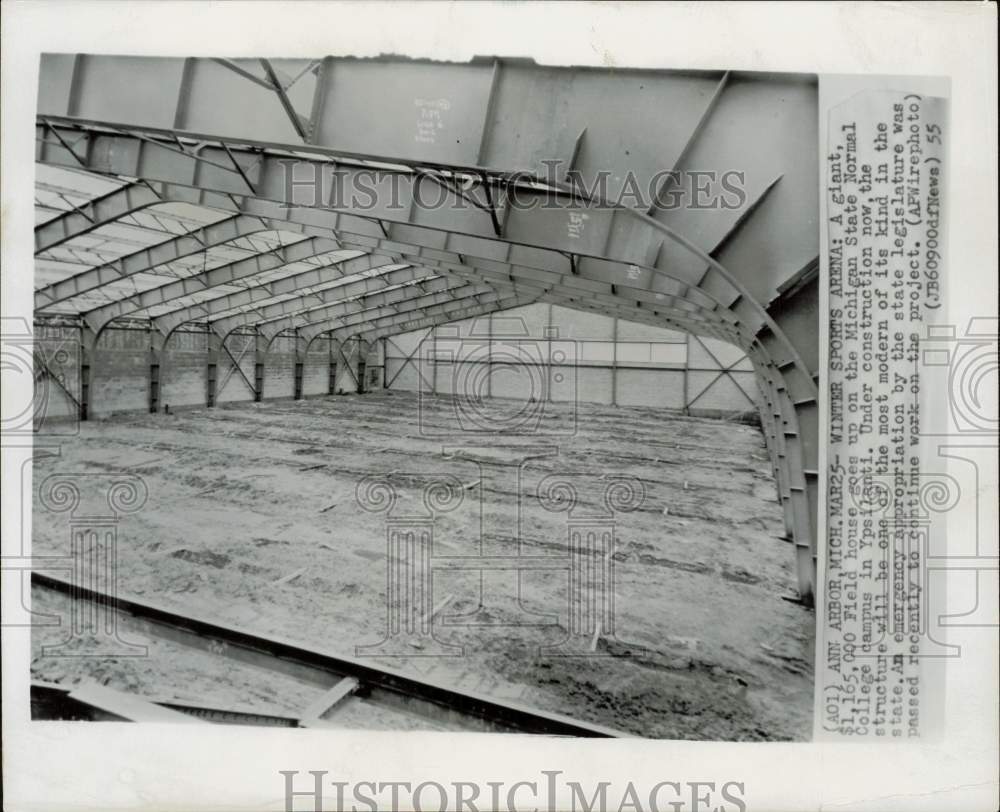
[54,701]
[377,684]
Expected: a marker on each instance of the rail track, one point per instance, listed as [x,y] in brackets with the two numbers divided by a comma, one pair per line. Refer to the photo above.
[349,685]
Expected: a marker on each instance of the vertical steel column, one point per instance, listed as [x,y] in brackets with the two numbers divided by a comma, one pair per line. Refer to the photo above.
[687,363]
[157,355]
[385,371]
[211,367]
[489,358]
[88,353]
[332,361]
[362,367]
[259,368]
[614,362]
[548,355]
[434,369]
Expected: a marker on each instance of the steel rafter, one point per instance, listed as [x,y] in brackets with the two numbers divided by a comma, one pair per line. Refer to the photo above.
[431,303]
[358,233]
[353,297]
[219,310]
[98,318]
[624,260]
[194,242]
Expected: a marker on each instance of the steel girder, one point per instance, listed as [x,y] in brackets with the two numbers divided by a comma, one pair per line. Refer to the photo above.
[93,214]
[355,232]
[695,319]
[297,221]
[444,305]
[607,305]
[466,272]
[99,318]
[218,311]
[439,302]
[623,252]
[517,273]
[451,310]
[194,242]
[327,317]
[488,113]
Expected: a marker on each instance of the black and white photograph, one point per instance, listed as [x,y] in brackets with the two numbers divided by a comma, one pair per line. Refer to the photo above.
[419,392]
[527,449]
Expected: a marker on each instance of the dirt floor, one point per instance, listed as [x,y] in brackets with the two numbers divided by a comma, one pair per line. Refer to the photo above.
[252,519]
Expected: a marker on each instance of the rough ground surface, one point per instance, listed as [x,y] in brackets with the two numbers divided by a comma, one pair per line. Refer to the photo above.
[241,497]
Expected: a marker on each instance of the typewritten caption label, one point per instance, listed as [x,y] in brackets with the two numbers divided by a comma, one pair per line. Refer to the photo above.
[885,181]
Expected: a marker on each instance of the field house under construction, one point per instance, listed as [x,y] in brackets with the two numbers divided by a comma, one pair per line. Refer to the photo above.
[398,394]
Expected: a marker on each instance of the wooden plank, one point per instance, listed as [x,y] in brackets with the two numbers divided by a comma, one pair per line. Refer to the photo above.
[325,703]
[287,579]
[128,706]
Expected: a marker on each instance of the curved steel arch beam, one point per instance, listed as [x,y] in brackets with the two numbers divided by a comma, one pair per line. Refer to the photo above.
[440,302]
[145,259]
[359,296]
[99,318]
[354,314]
[440,314]
[360,234]
[635,234]
[537,229]
[326,326]
[120,308]
[93,214]
[214,310]
[472,273]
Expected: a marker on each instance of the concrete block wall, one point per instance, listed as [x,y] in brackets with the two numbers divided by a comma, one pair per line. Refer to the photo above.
[570,355]
[183,370]
[120,372]
[549,351]
[316,368]
[279,368]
